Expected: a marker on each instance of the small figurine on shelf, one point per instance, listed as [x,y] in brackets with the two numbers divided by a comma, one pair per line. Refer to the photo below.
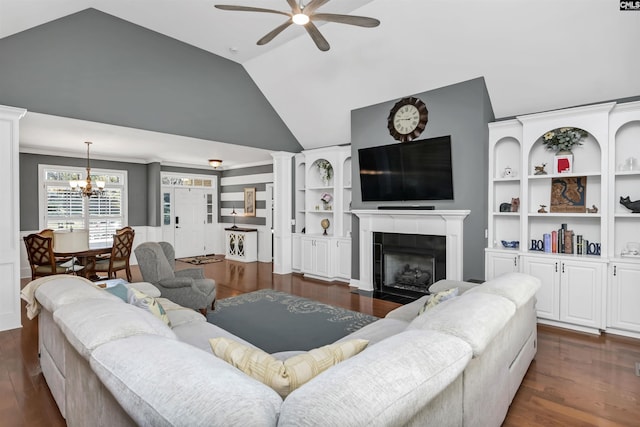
[542,210]
[515,204]
[627,203]
[592,209]
[539,170]
[508,173]
[325,225]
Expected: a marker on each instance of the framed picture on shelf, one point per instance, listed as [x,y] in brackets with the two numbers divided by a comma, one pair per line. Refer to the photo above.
[563,163]
[249,202]
[568,194]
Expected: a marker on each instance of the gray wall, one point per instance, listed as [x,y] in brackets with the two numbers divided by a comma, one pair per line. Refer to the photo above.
[96,67]
[143,191]
[463,111]
[137,192]
[261,203]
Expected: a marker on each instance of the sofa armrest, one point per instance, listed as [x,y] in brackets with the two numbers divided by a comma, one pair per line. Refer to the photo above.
[194,273]
[177,282]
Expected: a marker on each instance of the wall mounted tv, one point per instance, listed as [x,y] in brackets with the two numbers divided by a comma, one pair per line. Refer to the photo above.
[416,170]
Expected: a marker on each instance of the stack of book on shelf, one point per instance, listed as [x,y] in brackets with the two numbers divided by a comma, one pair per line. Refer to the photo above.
[563,241]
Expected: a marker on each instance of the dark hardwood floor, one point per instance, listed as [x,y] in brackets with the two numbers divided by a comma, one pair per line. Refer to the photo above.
[576,379]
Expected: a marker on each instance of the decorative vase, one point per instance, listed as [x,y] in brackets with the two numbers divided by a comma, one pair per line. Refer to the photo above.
[563,162]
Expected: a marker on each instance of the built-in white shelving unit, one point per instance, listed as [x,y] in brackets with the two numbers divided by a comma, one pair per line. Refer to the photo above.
[322,197]
[589,292]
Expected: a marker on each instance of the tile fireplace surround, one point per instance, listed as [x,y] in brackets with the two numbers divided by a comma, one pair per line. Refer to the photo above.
[448,223]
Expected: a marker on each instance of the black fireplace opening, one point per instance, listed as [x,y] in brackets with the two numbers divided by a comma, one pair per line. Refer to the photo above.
[405,265]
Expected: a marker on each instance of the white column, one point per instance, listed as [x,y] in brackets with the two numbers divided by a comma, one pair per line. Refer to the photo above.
[282,236]
[10,225]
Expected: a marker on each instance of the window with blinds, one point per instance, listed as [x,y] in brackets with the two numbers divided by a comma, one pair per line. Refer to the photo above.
[65,208]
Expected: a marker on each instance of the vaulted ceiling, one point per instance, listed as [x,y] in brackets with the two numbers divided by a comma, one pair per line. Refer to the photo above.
[535,55]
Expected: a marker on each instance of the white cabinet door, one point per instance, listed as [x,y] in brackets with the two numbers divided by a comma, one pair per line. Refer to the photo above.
[315,256]
[624,309]
[581,293]
[547,270]
[308,255]
[498,264]
[343,258]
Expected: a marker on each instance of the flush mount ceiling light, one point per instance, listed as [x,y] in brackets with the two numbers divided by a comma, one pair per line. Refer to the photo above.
[304,15]
[215,163]
[86,187]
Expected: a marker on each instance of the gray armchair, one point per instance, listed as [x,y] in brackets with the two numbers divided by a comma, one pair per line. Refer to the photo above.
[188,287]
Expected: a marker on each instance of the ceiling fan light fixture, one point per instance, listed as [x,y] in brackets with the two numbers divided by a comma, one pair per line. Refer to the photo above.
[300,19]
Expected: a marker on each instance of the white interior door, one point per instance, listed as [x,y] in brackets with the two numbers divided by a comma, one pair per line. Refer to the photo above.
[190,218]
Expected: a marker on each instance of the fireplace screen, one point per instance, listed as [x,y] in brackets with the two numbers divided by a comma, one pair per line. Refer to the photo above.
[413,272]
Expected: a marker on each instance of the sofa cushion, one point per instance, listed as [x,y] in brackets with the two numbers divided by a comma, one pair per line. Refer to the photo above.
[91,323]
[377,331]
[170,383]
[284,376]
[385,385]
[516,287]
[475,318]
[437,298]
[150,304]
[57,291]
[198,334]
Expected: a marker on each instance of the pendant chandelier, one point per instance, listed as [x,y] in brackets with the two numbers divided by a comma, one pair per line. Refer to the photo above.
[86,187]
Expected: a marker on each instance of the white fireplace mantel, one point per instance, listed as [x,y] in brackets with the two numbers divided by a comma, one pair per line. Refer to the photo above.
[448,223]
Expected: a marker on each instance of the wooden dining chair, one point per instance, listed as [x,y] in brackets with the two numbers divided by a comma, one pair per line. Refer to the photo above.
[120,254]
[41,258]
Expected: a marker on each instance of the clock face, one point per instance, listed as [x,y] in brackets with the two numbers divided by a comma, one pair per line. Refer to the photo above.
[407,119]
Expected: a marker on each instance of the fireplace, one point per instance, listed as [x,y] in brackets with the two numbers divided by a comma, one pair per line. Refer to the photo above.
[446,225]
[407,264]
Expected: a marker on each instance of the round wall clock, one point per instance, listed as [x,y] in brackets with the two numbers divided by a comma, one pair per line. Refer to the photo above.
[407,119]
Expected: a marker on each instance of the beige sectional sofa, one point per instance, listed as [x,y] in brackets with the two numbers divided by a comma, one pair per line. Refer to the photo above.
[460,363]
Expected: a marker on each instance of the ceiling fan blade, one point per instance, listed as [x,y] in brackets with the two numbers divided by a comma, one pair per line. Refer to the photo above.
[270,36]
[360,21]
[295,7]
[249,9]
[317,38]
[313,5]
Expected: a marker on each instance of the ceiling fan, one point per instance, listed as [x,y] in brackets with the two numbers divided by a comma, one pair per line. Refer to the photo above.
[304,15]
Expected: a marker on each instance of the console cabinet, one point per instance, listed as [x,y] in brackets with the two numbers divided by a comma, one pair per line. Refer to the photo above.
[242,244]
[323,196]
[589,291]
